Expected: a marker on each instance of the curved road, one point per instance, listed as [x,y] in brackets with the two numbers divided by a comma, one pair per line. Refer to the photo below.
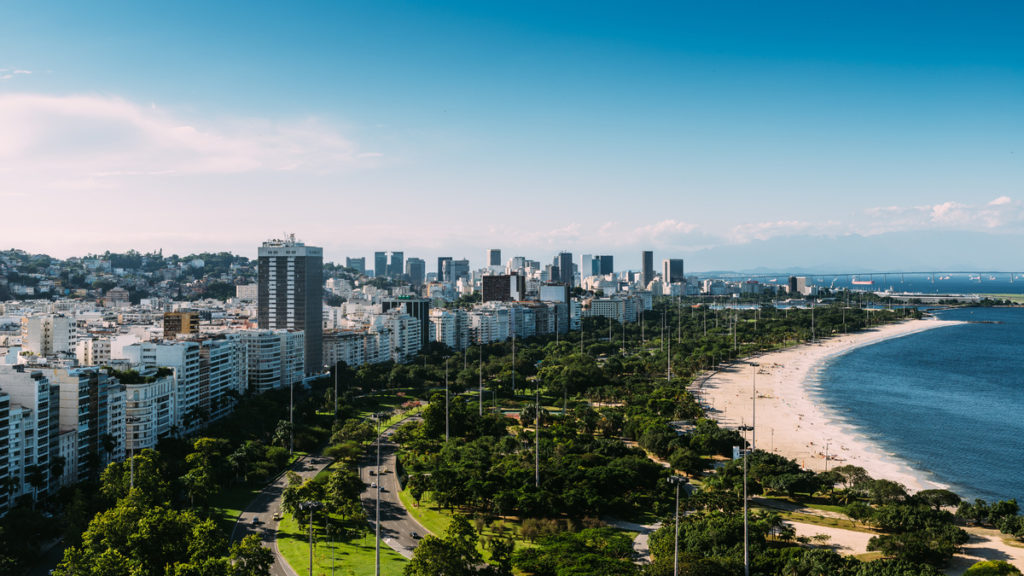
[396,525]
[266,504]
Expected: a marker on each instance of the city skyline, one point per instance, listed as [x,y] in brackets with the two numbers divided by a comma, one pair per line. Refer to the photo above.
[731,137]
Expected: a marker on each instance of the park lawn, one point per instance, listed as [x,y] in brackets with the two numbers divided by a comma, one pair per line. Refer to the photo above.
[1015,298]
[437,521]
[823,521]
[354,557]
[226,506]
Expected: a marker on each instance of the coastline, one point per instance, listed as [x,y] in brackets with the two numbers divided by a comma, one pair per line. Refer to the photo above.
[793,421]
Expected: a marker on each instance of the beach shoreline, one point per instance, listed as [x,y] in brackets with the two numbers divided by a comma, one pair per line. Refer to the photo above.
[791,418]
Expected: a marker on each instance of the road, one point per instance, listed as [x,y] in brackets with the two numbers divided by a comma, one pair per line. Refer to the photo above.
[266,504]
[396,525]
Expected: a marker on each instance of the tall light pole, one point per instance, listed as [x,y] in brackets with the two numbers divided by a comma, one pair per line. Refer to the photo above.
[131,448]
[310,506]
[291,418]
[746,530]
[678,481]
[335,389]
[536,438]
[445,399]
[753,405]
[376,523]
[481,349]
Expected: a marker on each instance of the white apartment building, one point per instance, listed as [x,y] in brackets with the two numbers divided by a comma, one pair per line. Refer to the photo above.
[275,358]
[183,358]
[348,346]
[49,334]
[219,375]
[33,401]
[93,352]
[149,410]
[92,406]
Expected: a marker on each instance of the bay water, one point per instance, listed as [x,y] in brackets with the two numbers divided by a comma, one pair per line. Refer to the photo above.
[948,401]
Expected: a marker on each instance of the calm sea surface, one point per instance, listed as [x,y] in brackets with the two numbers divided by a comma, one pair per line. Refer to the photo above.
[949,401]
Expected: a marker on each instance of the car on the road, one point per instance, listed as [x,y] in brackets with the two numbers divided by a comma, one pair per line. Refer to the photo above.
[256,521]
[373,485]
[415,535]
[277,516]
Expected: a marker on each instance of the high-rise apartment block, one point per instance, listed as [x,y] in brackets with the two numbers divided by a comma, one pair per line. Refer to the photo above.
[291,293]
[503,288]
[180,323]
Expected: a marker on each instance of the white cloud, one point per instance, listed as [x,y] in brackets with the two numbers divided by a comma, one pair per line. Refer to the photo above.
[1003,213]
[82,140]
[9,73]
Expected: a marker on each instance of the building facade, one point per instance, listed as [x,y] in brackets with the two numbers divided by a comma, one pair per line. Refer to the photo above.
[291,293]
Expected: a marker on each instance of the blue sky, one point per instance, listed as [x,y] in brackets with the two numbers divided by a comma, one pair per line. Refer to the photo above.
[445,128]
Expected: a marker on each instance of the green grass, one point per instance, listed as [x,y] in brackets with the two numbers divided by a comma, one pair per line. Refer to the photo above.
[226,506]
[353,557]
[437,521]
[823,521]
[1015,298]
[431,519]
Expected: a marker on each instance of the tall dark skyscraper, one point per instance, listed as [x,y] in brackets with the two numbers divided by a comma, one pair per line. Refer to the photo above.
[646,267]
[441,268]
[358,264]
[494,257]
[416,270]
[397,265]
[291,293]
[564,263]
[606,265]
[380,264]
[672,271]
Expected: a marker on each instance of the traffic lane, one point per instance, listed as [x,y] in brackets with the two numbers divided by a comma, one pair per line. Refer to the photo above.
[266,504]
[397,525]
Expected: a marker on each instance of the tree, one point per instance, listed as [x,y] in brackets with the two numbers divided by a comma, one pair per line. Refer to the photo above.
[454,554]
[250,558]
[992,568]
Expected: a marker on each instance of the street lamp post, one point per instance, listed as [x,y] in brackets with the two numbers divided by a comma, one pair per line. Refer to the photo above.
[536,438]
[291,418]
[310,506]
[481,376]
[131,448]
[446,398]
[335,390]
[376,523]
[746,531]
[678,481]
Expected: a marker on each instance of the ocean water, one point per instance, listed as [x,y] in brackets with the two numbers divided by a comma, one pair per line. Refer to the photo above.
[949,401]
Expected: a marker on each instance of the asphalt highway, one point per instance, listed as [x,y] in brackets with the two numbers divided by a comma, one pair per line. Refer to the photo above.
[263,507]
[397,526]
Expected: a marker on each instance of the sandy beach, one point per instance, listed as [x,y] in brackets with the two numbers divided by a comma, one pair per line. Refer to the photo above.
[790,420]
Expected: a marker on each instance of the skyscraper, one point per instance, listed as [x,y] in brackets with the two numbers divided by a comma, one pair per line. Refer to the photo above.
[357,264]
[397,265]
[380,264]
[441,268]
[646,267]
[586,265]
[606,265]
[291,292]
[416,270]
[564,263]
[672,271]
[494,257]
